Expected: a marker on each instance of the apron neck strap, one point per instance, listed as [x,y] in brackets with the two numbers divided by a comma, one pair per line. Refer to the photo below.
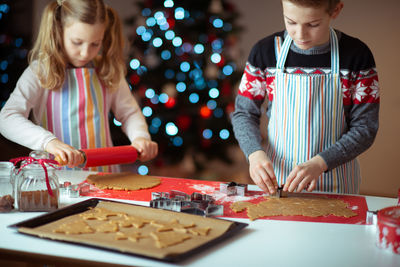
[284,50]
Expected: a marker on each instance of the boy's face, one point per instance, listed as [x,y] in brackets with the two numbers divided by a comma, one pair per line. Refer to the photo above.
[82,42]
[308,26]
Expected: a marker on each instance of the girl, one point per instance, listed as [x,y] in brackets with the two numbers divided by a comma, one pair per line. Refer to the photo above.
[75,77]
[323,94]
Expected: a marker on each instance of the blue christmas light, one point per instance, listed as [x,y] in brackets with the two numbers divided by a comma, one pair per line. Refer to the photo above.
[181,87]
[185,66]
[151,22]
[168,3]
[200,83]
[146,12]
[227,70]
[18,42]
[169,35]
[224,134]
[156,122]
[187,47]
[198,48]
[207,133]
[134,64]
[180,76]
[155,99]
[194,98]
[177,41]
[4,78]
[140,30]
[213,93]
[164,26]
[159,15]
[196,74]
[4,65]
[147,36]
[171,129]
[177,141]
[147,111]
[212,83]
[4,8]
[218,23]
[169,74]
[157,42]
[179,13]
[163,98]
[215,58]
[218,112]
[165,54]
[150,93]
[143,170]
[153,130]
[217,44]
[211,104]
[116,122]
[227,27]
[141,70]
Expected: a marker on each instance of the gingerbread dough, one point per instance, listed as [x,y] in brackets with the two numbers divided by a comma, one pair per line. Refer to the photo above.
[123,181]
[311,207]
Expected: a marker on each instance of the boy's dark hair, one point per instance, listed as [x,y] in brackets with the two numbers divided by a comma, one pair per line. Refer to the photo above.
[329,4]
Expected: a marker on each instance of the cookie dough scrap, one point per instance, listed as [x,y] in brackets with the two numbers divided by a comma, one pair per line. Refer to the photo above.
[108,227]
[134,237]
[166,239]
[129,221]
[200,231]
[172,225]
[123,181]
[101,214]
[311,207]
[74,228]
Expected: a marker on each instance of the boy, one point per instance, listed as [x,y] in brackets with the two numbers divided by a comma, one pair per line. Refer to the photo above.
[323,103]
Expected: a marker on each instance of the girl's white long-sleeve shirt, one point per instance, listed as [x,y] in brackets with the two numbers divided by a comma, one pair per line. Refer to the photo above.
[20,116]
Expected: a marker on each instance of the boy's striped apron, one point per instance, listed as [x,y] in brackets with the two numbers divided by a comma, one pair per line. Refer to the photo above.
[307,116]
[76,114]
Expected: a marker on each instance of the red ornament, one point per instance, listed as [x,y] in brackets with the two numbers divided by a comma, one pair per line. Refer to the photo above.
[205,112]
[134,78]
[183,122]
[170,103]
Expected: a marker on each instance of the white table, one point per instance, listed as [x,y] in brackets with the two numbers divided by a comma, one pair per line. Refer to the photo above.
[262,243]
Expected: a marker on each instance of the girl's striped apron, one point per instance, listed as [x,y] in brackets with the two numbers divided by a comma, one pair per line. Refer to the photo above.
[307,116]
[76,114]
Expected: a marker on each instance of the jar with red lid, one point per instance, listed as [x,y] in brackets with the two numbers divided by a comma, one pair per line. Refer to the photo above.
[388,235]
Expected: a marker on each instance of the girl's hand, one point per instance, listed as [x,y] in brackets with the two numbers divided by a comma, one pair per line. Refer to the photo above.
[66,154]
[262,171]
[146,148]
[305,175]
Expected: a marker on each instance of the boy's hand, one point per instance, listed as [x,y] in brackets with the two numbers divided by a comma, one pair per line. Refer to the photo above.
[305,175]
[66,154]
[262,172]
[146,148]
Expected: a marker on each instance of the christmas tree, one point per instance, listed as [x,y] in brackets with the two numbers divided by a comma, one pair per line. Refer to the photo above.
[182,69]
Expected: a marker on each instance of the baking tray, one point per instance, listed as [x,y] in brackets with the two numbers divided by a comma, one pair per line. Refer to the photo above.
[86,205]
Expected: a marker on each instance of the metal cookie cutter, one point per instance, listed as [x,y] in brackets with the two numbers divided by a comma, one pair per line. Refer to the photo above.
[233,188]
[196,203]
[73,190]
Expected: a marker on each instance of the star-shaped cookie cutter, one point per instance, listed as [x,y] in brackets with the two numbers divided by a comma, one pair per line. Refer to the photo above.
[196,203]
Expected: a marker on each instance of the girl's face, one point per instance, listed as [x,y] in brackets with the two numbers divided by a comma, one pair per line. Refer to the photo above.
[82,42]
[308,26]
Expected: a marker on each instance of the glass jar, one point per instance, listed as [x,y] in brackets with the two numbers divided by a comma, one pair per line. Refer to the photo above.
[6,186]
[32,191]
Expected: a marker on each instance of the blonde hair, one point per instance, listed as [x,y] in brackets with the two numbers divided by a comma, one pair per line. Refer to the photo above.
[329,4]
[48,51]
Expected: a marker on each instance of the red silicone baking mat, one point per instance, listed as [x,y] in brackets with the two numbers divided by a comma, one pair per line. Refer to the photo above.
[357,203]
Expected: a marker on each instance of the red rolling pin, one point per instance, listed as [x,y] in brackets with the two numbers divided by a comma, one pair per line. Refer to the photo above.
[106,156]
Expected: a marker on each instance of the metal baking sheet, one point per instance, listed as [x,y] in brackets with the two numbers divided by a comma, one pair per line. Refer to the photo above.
[93,202]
